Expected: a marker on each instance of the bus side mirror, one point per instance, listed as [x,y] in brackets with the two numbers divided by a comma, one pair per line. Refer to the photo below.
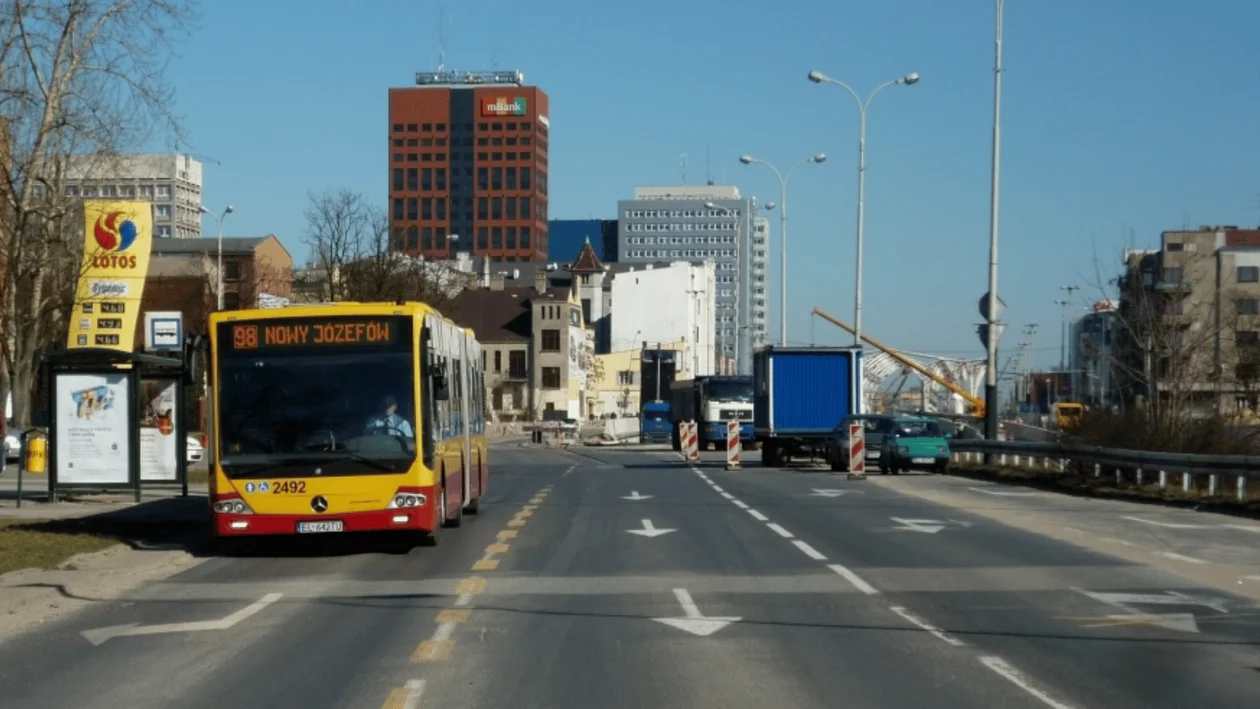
[441,391]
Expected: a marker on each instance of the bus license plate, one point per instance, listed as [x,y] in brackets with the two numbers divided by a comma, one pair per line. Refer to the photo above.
[313,527]
[921,461]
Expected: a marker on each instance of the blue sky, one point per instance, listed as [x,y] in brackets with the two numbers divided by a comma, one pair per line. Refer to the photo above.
[1120,119]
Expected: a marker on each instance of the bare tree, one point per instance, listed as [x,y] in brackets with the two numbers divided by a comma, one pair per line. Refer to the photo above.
[357,258]
[79,80]
[336,227]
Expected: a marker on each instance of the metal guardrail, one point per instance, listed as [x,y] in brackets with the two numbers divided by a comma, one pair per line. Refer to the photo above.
[1187,465]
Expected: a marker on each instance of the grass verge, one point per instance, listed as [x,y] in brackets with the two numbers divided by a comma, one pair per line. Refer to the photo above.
[33,544]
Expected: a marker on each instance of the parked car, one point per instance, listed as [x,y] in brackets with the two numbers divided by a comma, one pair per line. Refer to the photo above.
[876,427]
[915,443]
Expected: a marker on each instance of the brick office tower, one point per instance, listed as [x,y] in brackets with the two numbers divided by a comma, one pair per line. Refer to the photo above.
[468,157]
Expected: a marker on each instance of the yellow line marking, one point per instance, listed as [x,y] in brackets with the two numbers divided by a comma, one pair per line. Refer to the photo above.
[486,565]
[433,650]
[508,533]
[516,523]
[474,586]
[454,615]
[530,508]
[496,548]
[525,514]
[397,699]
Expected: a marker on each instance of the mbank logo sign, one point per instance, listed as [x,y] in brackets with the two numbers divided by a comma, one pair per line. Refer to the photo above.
[503,106]
[114,234]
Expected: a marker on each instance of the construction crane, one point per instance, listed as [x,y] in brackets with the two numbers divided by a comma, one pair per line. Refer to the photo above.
[976,403]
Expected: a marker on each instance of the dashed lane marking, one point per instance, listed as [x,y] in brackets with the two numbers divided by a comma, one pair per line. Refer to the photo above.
[470,587]
[780,530]
[901,611]
[454,615]
[758,516]
[1017,678]
[485,565]
[811,552]
[854,579]
[405,697]
[508,533]
[499,548]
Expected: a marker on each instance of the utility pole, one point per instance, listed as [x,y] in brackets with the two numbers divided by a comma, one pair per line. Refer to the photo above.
[658,372]
[991,383]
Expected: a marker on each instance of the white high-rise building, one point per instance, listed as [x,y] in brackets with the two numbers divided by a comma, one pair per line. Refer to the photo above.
[676,223]
[660,305]
[171,181]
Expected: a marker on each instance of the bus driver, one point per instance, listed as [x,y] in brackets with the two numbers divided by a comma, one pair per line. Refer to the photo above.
[389,423]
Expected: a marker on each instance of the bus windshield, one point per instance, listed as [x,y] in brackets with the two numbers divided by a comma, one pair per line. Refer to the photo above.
[729,390]
[337,406]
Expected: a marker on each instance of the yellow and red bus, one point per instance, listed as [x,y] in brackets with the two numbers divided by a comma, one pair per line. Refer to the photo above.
[344,417]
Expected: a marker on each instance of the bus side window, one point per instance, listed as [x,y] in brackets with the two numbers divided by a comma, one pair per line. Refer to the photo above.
[429,413]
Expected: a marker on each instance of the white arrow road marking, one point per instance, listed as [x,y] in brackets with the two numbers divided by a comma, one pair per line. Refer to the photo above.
[1183,622]
[829,493]
[100,635]
[694,621]
[927,526]
[1170,525]
[634,495]
[649,531]
[1172,621]
[1002,493]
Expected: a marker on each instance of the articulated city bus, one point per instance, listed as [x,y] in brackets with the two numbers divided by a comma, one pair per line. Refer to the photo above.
[344,417]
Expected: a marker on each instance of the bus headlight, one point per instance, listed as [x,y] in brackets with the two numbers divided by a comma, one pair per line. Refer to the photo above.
[231,506]
[406,498]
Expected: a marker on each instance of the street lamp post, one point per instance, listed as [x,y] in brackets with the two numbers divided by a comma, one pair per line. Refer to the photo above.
[820,78]
[990,388]
[1065,357]
[783,179]
[218,220]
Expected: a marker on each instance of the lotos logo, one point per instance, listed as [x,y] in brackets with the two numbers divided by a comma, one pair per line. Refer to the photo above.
[114,234]
[503,106]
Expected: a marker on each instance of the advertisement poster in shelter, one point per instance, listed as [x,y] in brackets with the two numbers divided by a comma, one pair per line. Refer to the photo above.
[159,459]
[93,443]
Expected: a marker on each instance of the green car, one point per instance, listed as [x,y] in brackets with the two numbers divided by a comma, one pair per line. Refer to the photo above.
[915,444]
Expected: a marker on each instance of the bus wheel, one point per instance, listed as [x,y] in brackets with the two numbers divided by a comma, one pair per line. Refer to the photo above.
[473,507]
[431,539]
[458,519]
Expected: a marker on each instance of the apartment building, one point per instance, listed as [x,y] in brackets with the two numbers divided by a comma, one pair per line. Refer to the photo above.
[171,181]
[1193,308]
[706,222]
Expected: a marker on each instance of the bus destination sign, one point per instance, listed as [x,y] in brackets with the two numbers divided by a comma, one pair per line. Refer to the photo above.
[314,333]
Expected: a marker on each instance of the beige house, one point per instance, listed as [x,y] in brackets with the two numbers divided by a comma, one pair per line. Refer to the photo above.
[1194,306]
[537,347]
[616,388]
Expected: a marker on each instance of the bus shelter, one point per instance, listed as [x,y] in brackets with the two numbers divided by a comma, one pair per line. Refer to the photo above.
[116,421]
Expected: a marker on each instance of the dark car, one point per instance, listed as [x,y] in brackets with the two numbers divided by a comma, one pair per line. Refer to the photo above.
[875,426]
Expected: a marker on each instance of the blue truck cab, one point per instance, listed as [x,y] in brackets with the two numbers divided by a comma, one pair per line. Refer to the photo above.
[654,422]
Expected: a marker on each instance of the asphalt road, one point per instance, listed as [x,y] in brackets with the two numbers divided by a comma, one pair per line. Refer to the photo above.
[770,588]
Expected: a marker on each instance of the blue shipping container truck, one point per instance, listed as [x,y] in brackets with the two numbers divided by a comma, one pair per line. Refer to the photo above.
[712,401]
[654,423]
[802,394]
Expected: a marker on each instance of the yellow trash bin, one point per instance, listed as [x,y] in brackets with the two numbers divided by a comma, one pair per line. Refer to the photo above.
[36,454]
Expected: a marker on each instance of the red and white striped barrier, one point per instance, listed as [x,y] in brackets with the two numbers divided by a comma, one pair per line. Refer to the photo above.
[733,445]
[690,440]
[857,450]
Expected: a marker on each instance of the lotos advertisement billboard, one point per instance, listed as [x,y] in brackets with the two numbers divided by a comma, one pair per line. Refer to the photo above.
[118,237]
[502,106]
